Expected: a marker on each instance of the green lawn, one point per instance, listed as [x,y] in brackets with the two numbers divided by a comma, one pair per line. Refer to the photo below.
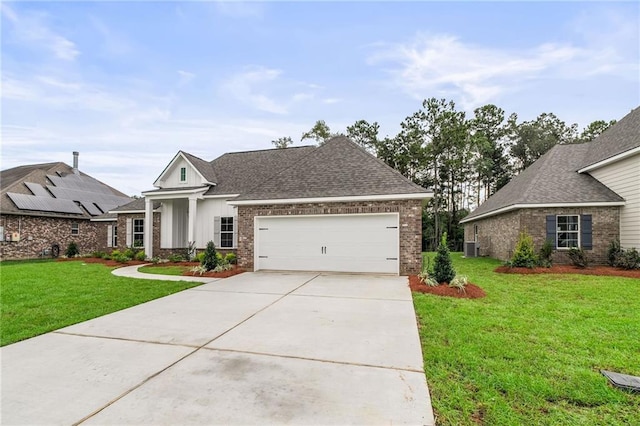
[164,270]
[38,297]
[530,352]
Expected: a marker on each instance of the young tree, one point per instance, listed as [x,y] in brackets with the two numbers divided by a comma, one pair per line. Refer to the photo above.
[594,129]
[320,132]
[282,142]
[210,259]
[364,134]
[443,271]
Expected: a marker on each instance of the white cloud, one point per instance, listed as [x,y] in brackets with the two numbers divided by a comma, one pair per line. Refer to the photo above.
[249,88]
[185,77]
[31,28]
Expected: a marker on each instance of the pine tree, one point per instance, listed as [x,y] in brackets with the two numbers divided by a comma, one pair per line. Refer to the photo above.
[443,270]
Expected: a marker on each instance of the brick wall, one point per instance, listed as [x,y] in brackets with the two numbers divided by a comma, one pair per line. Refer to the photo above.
[38,233]
[498,234]
[410,212]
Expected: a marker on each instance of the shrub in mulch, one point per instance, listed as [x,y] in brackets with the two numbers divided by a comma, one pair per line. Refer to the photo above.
[472,291]
[211,274]
[570,269]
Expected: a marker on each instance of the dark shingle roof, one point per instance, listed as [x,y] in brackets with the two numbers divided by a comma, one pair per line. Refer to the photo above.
[552,179]
[204,167]
[138,204]
[12,176]
[619,138]
[238,172]
[338,168]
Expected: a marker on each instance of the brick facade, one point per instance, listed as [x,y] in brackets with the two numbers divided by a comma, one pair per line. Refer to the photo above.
[38,233]
[410,212]
[498,234]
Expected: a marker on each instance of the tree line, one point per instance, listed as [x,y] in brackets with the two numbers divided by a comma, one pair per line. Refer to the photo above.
[463,159]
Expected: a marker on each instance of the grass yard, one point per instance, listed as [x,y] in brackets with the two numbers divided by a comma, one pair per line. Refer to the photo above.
[530,352]
[164,270]
[38,297]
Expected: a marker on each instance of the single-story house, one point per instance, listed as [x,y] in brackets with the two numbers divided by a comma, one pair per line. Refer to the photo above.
[583,195]
[333,207]
[44,207]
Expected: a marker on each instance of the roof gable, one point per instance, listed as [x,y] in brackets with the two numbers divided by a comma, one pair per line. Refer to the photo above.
[552,179]
[622,137]
[170,175]
[338,168]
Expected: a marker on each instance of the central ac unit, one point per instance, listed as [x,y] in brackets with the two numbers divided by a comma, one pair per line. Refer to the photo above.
[471,249]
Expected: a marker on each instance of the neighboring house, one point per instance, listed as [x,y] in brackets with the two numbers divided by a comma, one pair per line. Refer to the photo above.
[584,195]
[43,207]
[329,208]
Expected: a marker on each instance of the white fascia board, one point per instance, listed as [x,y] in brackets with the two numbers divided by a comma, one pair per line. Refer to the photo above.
[389,197]
[543,206]
[111,219]
[610,160]
[129,211]
[157,195]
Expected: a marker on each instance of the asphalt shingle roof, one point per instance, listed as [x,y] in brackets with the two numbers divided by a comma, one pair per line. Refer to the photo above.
[337,168]
[204,167]
[619,138]
[552,179]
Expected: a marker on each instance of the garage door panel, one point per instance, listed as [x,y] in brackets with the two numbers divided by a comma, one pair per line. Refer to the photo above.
[352,243]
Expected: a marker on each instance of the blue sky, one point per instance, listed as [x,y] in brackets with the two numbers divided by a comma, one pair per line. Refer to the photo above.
[128,84]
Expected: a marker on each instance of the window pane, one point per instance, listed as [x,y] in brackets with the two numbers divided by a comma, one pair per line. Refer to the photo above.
[226,239]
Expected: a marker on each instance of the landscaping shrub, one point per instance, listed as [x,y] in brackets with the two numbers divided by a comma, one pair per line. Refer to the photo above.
[613,252]
[459,282]
[231,258]
[199,270]
[98,254]
[122,258]
[115,253]
[130,253]
[628,259]
[175,258]
[200,256]
[443,271]
[524,255]
[210,260]
[190,251]
[72,250]
[578,257]
[544,256]
[141,256]
[427,279]
[223,267]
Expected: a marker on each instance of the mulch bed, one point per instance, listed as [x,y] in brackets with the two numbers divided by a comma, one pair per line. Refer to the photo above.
[570,269]
[472,291]
[112,263]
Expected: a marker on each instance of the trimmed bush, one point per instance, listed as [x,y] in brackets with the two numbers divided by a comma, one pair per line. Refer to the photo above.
[175,258]
[72,250]
[628,259]
[141,256]
[231,258]
[524,255]
[443,271]
[544,256]
[210,259]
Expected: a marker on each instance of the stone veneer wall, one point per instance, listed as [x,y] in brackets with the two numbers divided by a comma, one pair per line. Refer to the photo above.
[410,212]
[498,234]
[38,233]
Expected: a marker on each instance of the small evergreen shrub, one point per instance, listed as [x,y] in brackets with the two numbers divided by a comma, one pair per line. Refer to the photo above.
[524,255]
[443,271]
[544,256]
[130,253]
[122,258]
[210,260]
[578,257]
[72,250]
[200,256]
[628,259]
[613,252]
[115,253]
[175,258]
[141,256]
[98,254]
[231,258]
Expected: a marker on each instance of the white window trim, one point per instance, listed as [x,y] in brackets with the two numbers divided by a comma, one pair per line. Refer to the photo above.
[134,233]
[233,225]
[558,231]
[183,169]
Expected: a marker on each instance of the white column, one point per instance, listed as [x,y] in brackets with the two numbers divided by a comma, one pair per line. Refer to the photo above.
[148,228]
[191,228]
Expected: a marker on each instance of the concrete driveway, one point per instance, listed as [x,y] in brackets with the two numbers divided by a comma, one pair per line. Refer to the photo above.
[256,348]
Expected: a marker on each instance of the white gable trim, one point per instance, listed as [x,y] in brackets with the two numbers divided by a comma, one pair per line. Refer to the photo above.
[181,193]
[610,160]
[179,155]
[417,196]
[542,206]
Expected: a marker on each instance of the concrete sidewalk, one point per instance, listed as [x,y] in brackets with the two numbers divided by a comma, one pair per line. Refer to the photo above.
[255,348]
[132,272]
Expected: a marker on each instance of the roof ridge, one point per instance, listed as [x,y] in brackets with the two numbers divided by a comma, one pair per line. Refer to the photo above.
[264,150]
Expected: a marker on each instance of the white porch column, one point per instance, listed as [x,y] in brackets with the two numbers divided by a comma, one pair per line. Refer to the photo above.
[148,228]
[191,228]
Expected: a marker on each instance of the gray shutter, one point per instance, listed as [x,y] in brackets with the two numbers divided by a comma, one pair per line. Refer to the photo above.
[551,230]
[586,237]
[235,232]
[129,232]
[109,235]
[216,231]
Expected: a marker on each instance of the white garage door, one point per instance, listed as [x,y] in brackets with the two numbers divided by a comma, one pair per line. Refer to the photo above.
[340,243]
